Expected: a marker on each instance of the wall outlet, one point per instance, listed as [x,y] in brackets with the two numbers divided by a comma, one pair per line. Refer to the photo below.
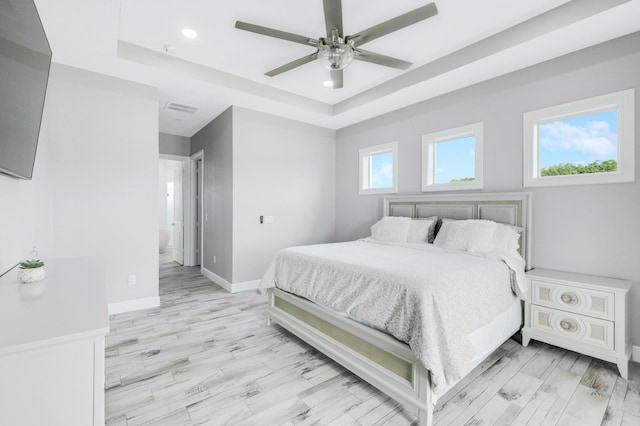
[214,259]
[266,219]
[131,280]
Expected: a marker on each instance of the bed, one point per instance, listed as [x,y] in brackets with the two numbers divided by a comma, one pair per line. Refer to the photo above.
[413,367]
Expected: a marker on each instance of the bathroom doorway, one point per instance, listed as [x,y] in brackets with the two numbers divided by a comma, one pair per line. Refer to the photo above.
[171,210]
[180,208]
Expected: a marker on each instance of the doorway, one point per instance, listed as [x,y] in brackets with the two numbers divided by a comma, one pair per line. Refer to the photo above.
[181,208]
[171,210]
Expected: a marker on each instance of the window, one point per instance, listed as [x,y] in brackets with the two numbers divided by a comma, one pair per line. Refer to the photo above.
[452,159]
[589,141]
[379,169]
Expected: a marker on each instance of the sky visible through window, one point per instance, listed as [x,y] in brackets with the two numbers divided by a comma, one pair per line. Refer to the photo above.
[382,170]
[579,140]
[455,159]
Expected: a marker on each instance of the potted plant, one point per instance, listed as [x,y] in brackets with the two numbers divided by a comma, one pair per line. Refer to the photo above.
[31,271]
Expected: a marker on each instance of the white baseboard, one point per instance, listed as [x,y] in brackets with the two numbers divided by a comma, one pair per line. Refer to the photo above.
[231,288]
[216,279]
[133,305]
[245,286]
[635,353]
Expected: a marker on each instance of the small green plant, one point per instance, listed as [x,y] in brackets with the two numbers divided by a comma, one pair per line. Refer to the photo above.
[31,264]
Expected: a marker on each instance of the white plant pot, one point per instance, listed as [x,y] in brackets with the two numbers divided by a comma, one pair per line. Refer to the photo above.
[31,275]
[32,291]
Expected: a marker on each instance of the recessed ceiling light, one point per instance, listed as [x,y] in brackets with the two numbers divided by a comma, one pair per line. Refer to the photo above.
[328,83]
[189,33]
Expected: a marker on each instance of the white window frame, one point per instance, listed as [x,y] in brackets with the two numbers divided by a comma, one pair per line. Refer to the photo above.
[365,169]
[622,101]
[429,158]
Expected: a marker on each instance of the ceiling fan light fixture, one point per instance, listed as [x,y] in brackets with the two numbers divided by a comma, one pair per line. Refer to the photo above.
[335,56]
[338,50]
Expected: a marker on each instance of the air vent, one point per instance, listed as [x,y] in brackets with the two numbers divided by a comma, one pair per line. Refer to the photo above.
[187,109]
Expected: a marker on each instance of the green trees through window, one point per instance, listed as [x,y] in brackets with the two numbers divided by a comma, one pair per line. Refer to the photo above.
[597,166]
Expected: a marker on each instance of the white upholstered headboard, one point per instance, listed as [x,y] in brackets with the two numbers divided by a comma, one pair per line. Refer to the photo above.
[513,208]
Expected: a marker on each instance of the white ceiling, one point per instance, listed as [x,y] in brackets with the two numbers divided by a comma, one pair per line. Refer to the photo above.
[467,42]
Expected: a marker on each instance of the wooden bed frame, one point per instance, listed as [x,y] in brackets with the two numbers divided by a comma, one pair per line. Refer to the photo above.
[375,356]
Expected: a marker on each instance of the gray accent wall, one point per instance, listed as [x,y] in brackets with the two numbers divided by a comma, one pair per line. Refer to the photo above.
[587,229]
[216,140]
[174,145]
[256,164]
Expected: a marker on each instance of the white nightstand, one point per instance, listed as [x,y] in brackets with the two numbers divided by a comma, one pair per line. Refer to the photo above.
[582,313]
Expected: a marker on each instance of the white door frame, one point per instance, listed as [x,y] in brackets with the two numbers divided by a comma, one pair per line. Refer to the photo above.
[186,204]
[178,176]
[193,215]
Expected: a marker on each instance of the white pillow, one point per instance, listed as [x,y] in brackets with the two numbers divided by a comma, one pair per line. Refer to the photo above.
[391,228]
[506,238]
[470,235]
[480,236]
[441,237]
[422,230]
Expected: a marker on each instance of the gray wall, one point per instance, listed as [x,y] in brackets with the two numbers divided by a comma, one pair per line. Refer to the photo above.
[256,164]
[94,189]
[216,140]
[281,168]
[587,229]
[174,145]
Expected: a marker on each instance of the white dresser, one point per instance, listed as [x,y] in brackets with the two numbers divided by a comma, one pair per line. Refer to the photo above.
[52,345]
[582,313]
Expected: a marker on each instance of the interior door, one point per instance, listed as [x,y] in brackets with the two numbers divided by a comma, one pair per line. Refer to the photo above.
[178,213]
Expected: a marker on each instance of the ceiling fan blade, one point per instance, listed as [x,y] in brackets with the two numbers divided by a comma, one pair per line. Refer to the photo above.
[333,16]
[395,24]
[336,77]
[276,33]
[293,64]
[376,58]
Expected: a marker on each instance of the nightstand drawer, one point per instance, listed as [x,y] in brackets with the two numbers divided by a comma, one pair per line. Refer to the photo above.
[578,328]
[594,303]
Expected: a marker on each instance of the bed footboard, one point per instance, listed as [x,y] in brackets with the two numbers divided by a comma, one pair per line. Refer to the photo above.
[376,357]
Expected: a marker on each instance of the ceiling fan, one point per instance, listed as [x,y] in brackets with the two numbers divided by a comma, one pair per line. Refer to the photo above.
[337,50]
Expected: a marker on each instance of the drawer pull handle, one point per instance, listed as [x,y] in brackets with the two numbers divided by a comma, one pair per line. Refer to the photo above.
[569,325]
[569,298]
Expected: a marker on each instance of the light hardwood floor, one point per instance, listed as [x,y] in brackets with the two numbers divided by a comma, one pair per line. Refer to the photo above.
[207,357]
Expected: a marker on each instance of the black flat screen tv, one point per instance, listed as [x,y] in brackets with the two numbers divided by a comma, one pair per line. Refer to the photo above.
[25,60]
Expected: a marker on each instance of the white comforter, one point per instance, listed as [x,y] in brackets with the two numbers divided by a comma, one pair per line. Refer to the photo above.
[428,297]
